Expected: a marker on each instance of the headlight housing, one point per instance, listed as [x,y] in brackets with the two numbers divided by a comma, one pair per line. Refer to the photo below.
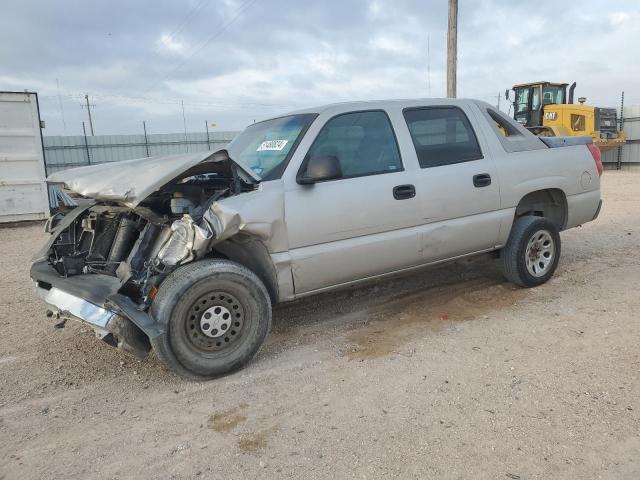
[178,246]
[186,242]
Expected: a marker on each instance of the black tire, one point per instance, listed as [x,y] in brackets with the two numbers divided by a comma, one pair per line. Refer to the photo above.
[514,254]
[200,288]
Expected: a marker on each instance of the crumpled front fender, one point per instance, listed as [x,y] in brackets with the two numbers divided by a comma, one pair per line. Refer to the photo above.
[259,213]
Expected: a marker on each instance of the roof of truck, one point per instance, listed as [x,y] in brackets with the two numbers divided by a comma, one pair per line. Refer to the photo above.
[382,104]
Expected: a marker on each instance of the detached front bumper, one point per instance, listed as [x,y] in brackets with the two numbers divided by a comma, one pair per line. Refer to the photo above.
[83,297]
[94,300]
[68,305]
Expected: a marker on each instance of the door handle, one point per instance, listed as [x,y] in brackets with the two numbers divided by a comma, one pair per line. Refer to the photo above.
[482,180]
[404,192]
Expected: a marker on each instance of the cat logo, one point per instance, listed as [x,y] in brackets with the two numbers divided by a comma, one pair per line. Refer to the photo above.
[550,115]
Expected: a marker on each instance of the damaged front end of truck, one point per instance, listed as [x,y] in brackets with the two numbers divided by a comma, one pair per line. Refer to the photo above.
[138,221]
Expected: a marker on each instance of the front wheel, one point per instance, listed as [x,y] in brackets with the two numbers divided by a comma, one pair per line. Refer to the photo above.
[531,254]
[217,314]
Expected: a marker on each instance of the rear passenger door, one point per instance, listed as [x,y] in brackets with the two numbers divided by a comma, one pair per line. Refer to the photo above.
[457,181]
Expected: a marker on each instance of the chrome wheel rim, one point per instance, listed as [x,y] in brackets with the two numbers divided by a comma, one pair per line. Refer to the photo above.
[540,253]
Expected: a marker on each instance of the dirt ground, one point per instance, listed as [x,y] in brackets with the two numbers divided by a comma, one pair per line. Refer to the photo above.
[448,373]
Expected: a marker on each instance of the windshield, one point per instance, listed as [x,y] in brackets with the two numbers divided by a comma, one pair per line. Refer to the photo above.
[264,147]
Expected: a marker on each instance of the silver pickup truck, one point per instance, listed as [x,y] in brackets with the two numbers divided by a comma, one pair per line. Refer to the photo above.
[186,254]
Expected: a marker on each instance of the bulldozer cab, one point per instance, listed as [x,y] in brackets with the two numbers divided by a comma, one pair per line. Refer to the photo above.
[530,99]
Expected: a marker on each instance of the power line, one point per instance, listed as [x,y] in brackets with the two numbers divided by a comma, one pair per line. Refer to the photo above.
[243,7]
[187,18]
[183,23]
[212,37]
[167,100]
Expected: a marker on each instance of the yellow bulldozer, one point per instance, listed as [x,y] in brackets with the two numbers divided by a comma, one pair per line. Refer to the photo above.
[545,109]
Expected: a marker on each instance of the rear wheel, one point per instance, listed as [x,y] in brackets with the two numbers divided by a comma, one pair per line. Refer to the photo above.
[217,314]
[531,255]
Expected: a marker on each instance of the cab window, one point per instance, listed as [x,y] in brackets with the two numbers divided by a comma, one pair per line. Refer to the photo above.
[522,100]
[442,136]
[535,99]
[552,94]
[363,143]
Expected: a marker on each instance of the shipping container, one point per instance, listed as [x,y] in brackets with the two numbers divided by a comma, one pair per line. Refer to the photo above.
[23,191]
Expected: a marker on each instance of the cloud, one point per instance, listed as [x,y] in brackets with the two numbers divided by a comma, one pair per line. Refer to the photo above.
[280,55]
[166,42]
[393,44]
[374,9]
[618,18]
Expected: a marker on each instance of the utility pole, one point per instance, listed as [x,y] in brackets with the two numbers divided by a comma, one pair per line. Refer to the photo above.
[498,106]
[146,140]
[86,144]
[452,48]
[86,97]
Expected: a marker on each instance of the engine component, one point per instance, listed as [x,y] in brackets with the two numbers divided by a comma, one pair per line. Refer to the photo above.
[106,228]
[69,266]
[136,260]
[122,243]
[181,205]
[96,242]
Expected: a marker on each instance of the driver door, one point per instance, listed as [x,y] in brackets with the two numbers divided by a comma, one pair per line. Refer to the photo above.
[362,224]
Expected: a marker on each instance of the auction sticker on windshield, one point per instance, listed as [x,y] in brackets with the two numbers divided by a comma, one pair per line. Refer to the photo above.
[272,145]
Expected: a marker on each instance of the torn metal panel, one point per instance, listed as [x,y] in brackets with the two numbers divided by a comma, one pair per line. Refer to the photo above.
[259,213]
[282,264]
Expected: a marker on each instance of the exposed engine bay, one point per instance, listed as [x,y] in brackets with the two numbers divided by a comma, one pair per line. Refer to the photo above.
[140,245]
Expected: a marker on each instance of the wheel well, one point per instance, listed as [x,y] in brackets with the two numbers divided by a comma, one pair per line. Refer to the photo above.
[251,253]
[550,203]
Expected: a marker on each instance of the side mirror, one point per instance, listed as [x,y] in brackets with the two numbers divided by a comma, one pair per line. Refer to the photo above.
[319,169]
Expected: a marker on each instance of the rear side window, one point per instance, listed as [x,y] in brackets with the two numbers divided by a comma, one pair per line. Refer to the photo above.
[505,128]
[512,136]
[363,142]
[442,136]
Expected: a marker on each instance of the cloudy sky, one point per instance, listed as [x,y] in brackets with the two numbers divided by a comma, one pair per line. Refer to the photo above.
[234,61]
